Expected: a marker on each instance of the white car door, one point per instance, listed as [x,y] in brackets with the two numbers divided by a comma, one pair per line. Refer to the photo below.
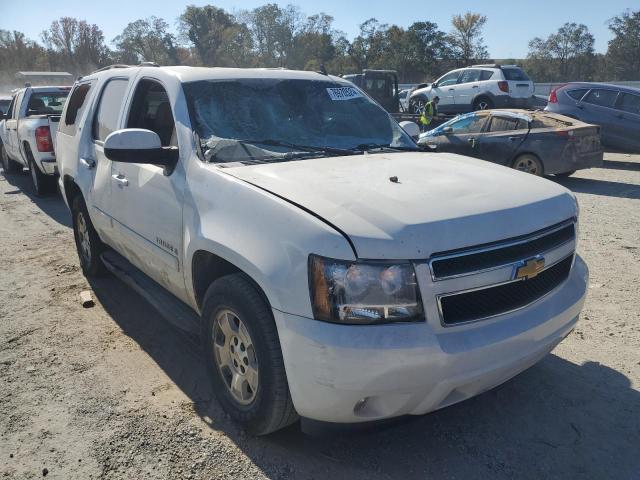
[147,199]
[467,89]
[11,125]
[445,88]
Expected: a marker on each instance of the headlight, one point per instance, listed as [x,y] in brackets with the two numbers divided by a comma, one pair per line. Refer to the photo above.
[363,292]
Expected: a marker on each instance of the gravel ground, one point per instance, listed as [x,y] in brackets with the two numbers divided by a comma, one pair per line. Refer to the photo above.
[114,392]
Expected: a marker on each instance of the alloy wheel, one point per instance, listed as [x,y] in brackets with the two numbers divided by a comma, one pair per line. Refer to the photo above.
[84,240]
[235,356]
[528,165]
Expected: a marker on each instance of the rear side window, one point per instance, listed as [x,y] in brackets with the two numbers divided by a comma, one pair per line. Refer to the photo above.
[604,98]
[628,102]
[516,74]
[502,124]
[75,107]
[469,76]
[486,75]
[106,119]
[578,93]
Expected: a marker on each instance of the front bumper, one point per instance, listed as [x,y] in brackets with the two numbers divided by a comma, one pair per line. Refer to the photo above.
[417,368]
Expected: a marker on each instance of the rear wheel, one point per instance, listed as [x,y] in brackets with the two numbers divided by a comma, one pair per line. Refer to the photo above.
[244,356]
[482,103]
[88,243]
[529,163]
[42,184]
[9,166]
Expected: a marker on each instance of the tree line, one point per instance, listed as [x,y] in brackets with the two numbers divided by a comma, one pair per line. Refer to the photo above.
[275,36]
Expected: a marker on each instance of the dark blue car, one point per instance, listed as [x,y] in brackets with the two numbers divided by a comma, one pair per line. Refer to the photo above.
[616,109]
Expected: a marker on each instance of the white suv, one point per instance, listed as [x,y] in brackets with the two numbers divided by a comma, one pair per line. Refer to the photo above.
[333,270]
[478,87]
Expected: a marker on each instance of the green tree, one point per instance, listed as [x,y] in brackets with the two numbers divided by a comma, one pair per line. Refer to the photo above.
[75,45]
[623,54]
[565,55]
[466,37]
[148,40]
[208,29]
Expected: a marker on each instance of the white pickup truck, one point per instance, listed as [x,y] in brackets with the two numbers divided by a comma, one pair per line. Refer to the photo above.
[332,269]
[28,132]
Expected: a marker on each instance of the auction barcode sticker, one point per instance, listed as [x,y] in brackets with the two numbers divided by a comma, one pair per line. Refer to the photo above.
[343,93]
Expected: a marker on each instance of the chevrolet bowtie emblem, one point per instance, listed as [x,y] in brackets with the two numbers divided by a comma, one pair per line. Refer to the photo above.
[530,268]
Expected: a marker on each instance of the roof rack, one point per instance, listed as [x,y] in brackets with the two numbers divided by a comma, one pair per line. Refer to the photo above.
[488,65]
[124,65]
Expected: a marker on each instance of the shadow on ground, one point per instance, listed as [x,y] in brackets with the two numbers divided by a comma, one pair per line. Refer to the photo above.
[556,420]
[51,204]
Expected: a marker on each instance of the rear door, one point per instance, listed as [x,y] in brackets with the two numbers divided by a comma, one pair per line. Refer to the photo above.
[597,107]
[503,135]
[106,118]
[628,108]
[12,129]
[467,88]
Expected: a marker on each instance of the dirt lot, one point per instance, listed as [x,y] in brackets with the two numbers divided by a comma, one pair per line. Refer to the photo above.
[115,392]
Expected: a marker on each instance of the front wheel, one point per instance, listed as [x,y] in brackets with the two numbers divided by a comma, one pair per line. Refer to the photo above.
[243,356]
[417,106]
[529,163]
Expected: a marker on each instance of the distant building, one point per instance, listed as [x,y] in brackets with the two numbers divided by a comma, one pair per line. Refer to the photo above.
[45,78]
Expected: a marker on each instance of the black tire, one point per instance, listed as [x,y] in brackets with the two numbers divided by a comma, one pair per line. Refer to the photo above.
[9,166]
[416,105]
[270,407]
[529,163]
[482,103]
[565,174]
[89,253]
[42,184]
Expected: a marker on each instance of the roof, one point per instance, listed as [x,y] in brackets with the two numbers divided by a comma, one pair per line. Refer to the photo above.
[43,74]
[194,74]
[603,85]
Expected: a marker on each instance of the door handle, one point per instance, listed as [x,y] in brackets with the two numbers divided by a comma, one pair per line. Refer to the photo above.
[120,179]
[513,139]
[475,86]
[580,107]
[472,141]
[89,163]
[451,89]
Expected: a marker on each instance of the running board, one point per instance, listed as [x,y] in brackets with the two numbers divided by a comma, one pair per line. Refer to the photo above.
[174,310]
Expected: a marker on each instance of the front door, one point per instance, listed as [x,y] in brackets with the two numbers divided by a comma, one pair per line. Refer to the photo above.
[460,135]
[503,135]
[467,89]
[147,199]
[11,127]
[445,88]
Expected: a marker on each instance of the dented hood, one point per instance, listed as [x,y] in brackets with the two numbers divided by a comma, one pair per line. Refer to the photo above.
[440,201]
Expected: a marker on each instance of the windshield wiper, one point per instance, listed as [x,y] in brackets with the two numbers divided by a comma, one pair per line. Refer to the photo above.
[365,147]
[305,148]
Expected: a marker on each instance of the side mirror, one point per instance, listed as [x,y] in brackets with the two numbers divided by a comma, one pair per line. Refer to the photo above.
[412,129]
[447,130]
[138,145]
[434,85]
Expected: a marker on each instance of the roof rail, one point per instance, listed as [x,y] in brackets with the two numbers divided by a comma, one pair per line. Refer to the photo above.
[488,65]
[109,67]
[148,64]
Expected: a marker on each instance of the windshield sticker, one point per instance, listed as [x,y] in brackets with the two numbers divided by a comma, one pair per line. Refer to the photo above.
[343,93]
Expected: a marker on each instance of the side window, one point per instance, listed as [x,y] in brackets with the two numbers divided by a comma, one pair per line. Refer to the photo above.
[470,124]
[11,107]
[150,109]
[502,124]
[578,93]
[449,79]
[75,107]
[628,102]
[485,75]
[106,118]
[469,76]
[604,98]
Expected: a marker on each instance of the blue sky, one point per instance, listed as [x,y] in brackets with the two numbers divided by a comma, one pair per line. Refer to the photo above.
[509,28]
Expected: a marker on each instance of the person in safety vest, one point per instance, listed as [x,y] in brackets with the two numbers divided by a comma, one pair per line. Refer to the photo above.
[430,110]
